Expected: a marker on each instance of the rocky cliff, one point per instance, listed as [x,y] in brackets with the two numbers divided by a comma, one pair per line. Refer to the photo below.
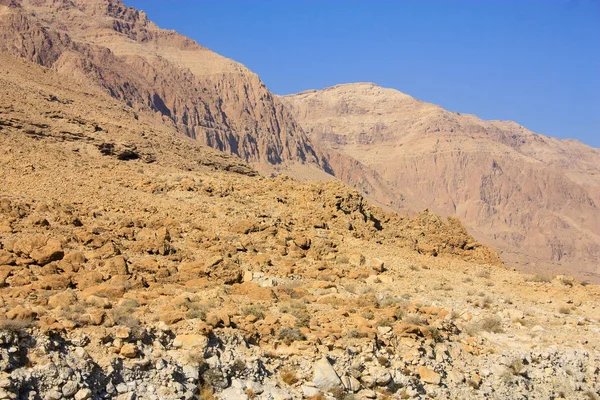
[534,197]
[204,95]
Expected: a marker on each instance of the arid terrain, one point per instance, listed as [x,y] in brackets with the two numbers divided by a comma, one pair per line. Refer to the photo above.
[532,197]
[136,262]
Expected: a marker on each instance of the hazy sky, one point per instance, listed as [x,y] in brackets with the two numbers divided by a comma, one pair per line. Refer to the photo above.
[536,62]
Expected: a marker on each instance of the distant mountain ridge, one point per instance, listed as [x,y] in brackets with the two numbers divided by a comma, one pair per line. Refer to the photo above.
[532,196]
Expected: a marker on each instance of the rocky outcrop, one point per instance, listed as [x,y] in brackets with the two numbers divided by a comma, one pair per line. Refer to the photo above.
[533,197]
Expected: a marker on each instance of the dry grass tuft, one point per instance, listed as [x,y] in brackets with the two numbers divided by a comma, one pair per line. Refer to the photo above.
[288,376]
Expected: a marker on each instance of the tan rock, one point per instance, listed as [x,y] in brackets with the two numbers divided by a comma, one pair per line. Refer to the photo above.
[356,259]
[253,291]
[191,342]
[21,313]
[429,376]
[6,258]
[51,251]
[129,350]
[62,300]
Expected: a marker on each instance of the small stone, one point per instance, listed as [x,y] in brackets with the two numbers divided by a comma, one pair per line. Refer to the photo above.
[309,391]
[356,259]
[53,394]
[122,388]
[81,353]
[129,350]
[367,394]
[191,373]
[69,389]
[83,394]
[377,265]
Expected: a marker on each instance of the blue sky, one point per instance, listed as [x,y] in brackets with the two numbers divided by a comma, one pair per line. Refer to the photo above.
[536,62]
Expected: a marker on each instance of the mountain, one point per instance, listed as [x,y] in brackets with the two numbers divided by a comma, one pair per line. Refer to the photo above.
[138,263]
[205,96]
[534,197]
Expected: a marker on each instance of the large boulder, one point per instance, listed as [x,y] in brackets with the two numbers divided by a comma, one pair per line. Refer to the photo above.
[325,377]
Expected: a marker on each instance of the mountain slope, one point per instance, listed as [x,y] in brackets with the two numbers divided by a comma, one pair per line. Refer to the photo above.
[206,96]
[534,197]
[138,263]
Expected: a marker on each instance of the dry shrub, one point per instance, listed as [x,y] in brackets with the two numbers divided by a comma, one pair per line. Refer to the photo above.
[491,324]
[290,335]
[16,326]
[257,310]
[539,278]
[288,376]
[206,393]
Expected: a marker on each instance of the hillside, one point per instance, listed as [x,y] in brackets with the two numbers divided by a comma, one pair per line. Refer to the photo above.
[136,262]
[204,95]
[533,197]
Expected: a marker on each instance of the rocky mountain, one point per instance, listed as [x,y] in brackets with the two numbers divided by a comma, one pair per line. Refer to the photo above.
[137,263]
[533,197]
[205,96]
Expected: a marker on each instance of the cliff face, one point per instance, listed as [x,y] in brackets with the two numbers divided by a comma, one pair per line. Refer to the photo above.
[208,97]
[534,197]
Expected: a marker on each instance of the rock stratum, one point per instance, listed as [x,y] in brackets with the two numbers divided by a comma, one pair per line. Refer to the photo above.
[138,263]
[532,197]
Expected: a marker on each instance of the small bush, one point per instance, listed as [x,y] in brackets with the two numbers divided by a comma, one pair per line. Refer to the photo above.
[290,335]
[206,393]
[16,326]
[124,315]
[383,361]
[197,310]
[368,314]
[516,367]
[564,310]
[257,310]
[435,334]
[491,324]
[399,313]
[539,278]
[302,319]
[414,320]
[484,274]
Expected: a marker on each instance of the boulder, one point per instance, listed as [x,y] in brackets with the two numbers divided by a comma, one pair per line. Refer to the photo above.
[325,377]
[129,350]
[198,343]
[63,300]
[429,376]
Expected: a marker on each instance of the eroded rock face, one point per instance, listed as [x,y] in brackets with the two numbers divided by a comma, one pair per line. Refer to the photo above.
[208,97]
[534,197]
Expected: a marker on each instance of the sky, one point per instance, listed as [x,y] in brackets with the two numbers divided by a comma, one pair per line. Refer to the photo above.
[536,62]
